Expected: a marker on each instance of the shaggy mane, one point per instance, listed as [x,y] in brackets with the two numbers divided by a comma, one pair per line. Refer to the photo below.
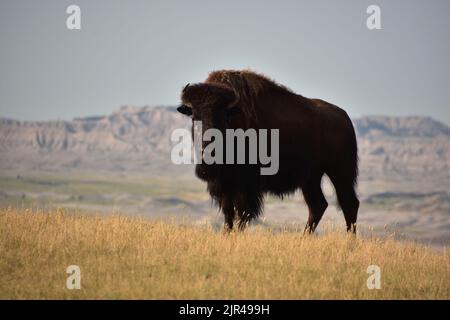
[247,85]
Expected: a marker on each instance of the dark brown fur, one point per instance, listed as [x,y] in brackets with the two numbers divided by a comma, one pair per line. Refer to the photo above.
[316,138]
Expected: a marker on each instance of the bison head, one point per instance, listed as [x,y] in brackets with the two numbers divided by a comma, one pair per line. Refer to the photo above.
[217,107]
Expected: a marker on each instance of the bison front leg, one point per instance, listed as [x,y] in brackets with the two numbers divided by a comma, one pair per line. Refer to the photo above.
[229,214]
[248,207]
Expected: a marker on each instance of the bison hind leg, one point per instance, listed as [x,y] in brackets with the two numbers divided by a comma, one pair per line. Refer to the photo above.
[348,200]
[317,204]
[349,203]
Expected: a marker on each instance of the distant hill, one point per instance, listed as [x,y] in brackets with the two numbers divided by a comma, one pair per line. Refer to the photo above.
[138,139]
[130,129]
[418,127]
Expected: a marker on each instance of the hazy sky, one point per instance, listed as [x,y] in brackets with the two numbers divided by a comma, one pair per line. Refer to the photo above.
[144,52]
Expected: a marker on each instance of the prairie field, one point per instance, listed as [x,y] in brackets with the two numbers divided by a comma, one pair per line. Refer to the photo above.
[123,257]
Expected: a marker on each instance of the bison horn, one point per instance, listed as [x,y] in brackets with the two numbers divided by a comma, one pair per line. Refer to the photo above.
[184,89]
[184,109]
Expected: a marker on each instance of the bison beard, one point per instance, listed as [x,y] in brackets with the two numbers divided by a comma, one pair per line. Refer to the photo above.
[315,138]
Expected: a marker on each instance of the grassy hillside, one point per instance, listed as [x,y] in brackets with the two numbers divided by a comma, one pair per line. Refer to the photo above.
[122,257]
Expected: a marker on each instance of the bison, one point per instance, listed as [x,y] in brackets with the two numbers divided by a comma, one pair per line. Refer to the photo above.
[315,138]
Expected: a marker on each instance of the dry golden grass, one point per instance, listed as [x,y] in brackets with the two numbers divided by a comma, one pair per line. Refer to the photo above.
[127,258]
